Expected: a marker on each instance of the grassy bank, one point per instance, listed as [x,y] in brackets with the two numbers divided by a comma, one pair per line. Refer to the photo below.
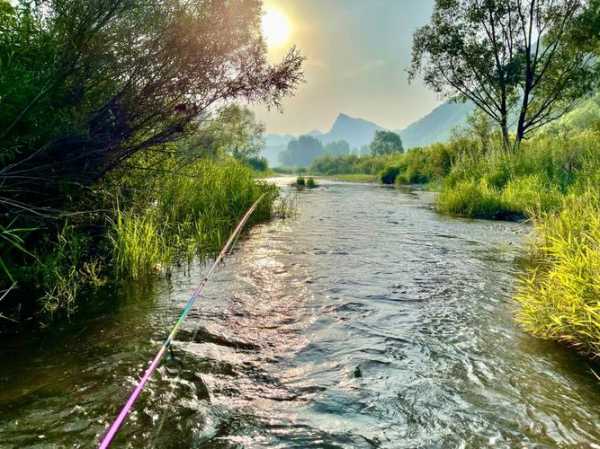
[149,222]
[560,295]
[356,178]
[190,215]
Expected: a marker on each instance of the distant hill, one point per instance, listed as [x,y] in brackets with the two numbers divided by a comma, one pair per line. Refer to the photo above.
[436,126]
[356,131]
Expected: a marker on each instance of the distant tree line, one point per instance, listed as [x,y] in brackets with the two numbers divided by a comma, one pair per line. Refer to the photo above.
[302,152]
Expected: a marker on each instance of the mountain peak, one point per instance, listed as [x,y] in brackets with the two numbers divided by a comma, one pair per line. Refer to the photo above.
[357,132]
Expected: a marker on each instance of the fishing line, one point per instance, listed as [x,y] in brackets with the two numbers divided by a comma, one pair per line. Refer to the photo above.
[193,339]
[126,409]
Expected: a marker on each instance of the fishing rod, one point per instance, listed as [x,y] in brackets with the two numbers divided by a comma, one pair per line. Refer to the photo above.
[110,434]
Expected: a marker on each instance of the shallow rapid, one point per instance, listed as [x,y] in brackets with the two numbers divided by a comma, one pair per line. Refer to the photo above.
[367,321]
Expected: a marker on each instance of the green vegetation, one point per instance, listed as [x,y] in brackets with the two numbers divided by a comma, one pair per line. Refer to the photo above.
[362,178]
[386,142]
[308,183]
[527,62]
[191,216]
[301,152]
[560,296]
[122,150]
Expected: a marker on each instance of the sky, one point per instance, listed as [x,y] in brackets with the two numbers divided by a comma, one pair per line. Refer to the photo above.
[358,53]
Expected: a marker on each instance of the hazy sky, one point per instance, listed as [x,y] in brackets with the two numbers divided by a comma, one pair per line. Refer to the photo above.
[357,54]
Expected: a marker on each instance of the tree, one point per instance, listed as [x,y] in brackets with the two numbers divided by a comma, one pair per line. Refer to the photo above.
[480,126]
[301,152]
[386,142]
[87,84]
[510,57]
[232,130]
[584,34]
[338,148]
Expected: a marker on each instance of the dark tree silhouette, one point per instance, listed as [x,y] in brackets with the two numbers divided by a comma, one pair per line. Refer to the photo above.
[301,152]
[86,84]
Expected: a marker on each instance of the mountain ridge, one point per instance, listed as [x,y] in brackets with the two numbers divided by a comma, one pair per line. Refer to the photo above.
[435,126]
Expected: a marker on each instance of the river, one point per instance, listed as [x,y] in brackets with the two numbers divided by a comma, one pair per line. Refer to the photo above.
[367,321]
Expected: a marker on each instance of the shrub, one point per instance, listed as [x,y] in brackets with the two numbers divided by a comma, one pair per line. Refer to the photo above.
[300,181]
[311,183]
[530,196]
[474,200]
[389,175]
[259,164]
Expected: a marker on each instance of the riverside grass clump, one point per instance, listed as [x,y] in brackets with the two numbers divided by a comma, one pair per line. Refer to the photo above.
[191,214]
[560,297]
[523,184]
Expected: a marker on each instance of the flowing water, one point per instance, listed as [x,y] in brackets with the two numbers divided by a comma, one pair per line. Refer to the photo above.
[367,321]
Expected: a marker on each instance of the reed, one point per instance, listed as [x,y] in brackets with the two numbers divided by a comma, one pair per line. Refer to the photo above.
[190,215]
[560,295]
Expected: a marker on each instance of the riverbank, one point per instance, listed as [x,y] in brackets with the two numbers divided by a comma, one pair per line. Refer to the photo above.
[361,178]
[552,180]
[149,223]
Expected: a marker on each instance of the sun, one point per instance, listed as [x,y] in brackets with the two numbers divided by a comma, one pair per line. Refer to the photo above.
[275,28]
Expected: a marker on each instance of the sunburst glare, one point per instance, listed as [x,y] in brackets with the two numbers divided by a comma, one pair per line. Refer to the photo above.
[275,28]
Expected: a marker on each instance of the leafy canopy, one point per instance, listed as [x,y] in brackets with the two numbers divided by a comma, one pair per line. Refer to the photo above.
[512,58]
[386,142]
[87,84]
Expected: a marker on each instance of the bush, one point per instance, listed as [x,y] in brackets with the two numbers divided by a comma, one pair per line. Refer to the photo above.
[389,175]
[311,183]
[424,165]
[259,164]
[300,181]
[559,298]
[474,200]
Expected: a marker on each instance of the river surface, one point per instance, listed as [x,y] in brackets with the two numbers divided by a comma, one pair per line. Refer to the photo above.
[367,321]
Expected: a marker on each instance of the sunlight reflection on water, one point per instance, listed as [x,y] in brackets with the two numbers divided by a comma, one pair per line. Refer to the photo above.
[367,321]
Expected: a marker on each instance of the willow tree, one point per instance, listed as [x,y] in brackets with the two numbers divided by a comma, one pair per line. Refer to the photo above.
[87,84]
[511,58]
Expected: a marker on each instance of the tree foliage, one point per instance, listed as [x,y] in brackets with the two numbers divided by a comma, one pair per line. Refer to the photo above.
[301,152]
[337,148]
[232,131]
[86,84]
[512,58]
[386,142]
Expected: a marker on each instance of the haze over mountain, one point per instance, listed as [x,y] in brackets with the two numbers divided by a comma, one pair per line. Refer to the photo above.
[356,131]
[436,126]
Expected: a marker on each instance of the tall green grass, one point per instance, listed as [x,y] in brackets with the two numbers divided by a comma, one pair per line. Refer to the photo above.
[560,296]
[186,215]
[532,181]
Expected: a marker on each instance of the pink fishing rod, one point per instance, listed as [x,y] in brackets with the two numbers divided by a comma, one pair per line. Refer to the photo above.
[110,434]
